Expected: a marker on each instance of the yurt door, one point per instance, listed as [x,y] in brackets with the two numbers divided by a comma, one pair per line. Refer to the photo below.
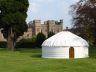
[71,52]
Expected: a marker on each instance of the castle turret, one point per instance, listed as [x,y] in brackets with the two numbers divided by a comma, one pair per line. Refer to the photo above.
[36,27]
[51,24]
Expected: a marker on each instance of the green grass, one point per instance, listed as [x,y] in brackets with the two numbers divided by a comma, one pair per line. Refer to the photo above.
[29,60]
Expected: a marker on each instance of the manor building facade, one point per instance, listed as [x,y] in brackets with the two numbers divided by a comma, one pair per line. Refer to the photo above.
[35,27]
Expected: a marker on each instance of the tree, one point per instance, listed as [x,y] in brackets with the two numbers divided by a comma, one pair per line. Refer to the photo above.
[40,39]
[13,19]
[84,19]
[50,34]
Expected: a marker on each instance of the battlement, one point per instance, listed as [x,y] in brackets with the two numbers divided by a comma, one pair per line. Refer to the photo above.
[48,22]
[36,21]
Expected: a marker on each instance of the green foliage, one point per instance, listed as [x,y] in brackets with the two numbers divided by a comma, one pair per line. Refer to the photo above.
[50,34]
[84,19]
[39,39]
[34,39]
[33,42]
[13,15]
[27,43]
[13,20]
[2,44]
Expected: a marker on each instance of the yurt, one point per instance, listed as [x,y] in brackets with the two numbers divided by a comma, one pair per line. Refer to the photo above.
[65,45]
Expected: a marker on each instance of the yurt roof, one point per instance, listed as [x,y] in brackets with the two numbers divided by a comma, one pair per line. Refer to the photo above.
[65,38]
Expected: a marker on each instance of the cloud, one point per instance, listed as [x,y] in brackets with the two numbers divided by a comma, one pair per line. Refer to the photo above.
[33,7]
[41,1]
[48,15]
[75,0]
[50,1]
[64,7]
[36,6]
[32,10]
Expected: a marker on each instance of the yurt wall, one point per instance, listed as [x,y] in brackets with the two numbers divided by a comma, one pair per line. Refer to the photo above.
[55,52]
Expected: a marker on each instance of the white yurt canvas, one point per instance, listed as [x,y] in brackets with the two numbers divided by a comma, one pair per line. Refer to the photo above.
[65,45]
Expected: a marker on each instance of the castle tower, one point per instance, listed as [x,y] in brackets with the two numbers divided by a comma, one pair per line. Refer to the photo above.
[50,25]
[36,27]
[44,28]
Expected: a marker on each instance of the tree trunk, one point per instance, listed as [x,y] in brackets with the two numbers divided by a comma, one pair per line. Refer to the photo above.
[10,40]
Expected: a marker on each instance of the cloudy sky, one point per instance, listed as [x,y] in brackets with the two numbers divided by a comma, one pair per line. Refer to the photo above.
[50,10]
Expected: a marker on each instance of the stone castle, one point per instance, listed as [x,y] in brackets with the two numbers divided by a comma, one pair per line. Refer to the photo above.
[35,26]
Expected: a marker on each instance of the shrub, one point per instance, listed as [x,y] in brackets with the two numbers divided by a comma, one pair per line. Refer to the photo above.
[39,39]
[3,44]
[27,43]
[50,34]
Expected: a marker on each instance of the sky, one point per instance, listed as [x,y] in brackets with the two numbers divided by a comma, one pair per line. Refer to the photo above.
[51,10]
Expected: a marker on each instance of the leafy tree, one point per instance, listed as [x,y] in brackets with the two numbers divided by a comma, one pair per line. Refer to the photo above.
[13,19]
[50,34]
[39,39]
[84,19]
[33,39]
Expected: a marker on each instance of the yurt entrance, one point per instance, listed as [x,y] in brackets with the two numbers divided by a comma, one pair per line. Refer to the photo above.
[71,52]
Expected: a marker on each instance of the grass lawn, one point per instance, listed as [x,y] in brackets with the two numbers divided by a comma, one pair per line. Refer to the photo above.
[29,60]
